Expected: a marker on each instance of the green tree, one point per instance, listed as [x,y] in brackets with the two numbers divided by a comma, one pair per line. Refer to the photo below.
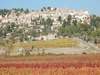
[26,11]
[64,23]
[69,20]
[44,8]
[10,45]
[95,21]
[74,22]
[2,41]
[60,18]
[4,12]
[43,22]
[49,8]
[49,21]
[1,32]
[12,25]
[62,31]
[21,10]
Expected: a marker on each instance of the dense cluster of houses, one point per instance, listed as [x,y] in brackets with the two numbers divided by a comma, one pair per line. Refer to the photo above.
[22,19]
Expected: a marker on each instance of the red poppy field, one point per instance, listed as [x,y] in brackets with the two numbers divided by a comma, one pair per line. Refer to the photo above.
[51,65]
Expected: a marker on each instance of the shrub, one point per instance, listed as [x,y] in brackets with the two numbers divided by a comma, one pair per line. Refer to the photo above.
[27,53]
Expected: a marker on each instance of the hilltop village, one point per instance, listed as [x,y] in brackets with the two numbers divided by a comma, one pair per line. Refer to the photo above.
[43,24]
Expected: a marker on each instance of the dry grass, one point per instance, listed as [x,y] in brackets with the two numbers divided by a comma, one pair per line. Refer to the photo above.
[56,43]
[98,45]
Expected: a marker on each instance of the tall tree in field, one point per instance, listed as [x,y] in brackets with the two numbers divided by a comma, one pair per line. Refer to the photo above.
[10,45]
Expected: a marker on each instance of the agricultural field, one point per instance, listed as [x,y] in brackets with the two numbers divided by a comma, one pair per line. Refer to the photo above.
[56,43]
[51,65]
[81,64]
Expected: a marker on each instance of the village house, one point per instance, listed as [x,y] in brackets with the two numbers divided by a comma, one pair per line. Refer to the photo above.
[1,17]
[46,37]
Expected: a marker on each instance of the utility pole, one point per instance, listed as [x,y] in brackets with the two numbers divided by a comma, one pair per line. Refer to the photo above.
[65,4]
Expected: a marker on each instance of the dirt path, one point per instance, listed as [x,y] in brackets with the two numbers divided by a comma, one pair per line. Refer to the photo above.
[68,51]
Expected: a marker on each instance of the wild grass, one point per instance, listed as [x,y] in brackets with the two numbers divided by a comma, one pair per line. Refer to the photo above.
[56,43]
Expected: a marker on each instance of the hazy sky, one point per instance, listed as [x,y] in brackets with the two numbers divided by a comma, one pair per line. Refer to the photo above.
[93,6]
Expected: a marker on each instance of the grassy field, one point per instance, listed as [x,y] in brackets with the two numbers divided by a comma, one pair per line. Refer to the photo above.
[56,43]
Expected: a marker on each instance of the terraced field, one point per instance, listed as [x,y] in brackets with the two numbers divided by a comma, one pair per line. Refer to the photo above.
[56,43]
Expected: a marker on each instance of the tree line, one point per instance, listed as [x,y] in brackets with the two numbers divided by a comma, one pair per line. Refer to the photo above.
[87,32]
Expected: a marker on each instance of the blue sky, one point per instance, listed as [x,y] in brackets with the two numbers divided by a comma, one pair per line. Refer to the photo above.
[93,6]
